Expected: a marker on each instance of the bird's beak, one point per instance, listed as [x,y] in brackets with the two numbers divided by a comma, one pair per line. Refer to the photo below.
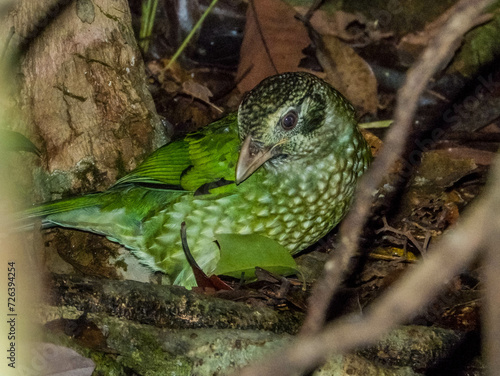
[250,159]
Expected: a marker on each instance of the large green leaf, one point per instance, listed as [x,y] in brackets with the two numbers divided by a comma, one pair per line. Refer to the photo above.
[243,253]
[15,141]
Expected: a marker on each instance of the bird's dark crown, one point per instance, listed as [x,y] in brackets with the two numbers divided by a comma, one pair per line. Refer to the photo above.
[318,113]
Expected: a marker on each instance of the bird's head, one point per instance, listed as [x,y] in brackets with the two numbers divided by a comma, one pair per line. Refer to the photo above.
[289,117]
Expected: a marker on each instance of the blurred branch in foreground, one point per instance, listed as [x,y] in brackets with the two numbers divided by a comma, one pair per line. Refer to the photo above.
[454,252]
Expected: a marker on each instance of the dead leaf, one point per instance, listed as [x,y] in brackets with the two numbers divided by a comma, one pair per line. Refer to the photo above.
[441,169]
[339,24]
[336,24]
[392,253]
[374,142]
[212,283]
[283,36]
[480,157]
[181,86]
[197,90]
[348,73]
[200,92]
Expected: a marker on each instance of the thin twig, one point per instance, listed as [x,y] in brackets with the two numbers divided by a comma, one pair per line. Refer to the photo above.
[313,8]
[191,34]
[406,233]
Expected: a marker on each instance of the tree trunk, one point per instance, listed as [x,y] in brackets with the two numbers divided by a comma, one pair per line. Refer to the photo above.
[84,95]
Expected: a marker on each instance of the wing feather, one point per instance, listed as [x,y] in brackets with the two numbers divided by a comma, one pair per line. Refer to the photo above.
[202,157]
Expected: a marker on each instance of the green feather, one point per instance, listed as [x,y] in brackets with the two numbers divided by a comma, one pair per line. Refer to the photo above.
[62,206]
[191,162]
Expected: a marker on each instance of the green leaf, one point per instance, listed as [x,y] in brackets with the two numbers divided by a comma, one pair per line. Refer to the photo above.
[14,141]
[376,124]
[480,47]
[243,253]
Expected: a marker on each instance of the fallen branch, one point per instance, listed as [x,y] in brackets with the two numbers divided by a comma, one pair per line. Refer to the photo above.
[164,306]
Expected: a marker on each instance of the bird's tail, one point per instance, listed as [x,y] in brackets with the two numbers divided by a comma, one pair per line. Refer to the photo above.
[88,213]
[61,206]
[82,213]
[116,213]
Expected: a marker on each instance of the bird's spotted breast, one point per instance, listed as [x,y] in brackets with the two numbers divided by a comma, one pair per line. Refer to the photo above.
[296,207]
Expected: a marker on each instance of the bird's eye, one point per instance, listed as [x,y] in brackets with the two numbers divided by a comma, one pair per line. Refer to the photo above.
[289,121]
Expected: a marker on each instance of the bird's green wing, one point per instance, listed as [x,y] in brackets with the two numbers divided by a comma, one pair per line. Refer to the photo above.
[201,158]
